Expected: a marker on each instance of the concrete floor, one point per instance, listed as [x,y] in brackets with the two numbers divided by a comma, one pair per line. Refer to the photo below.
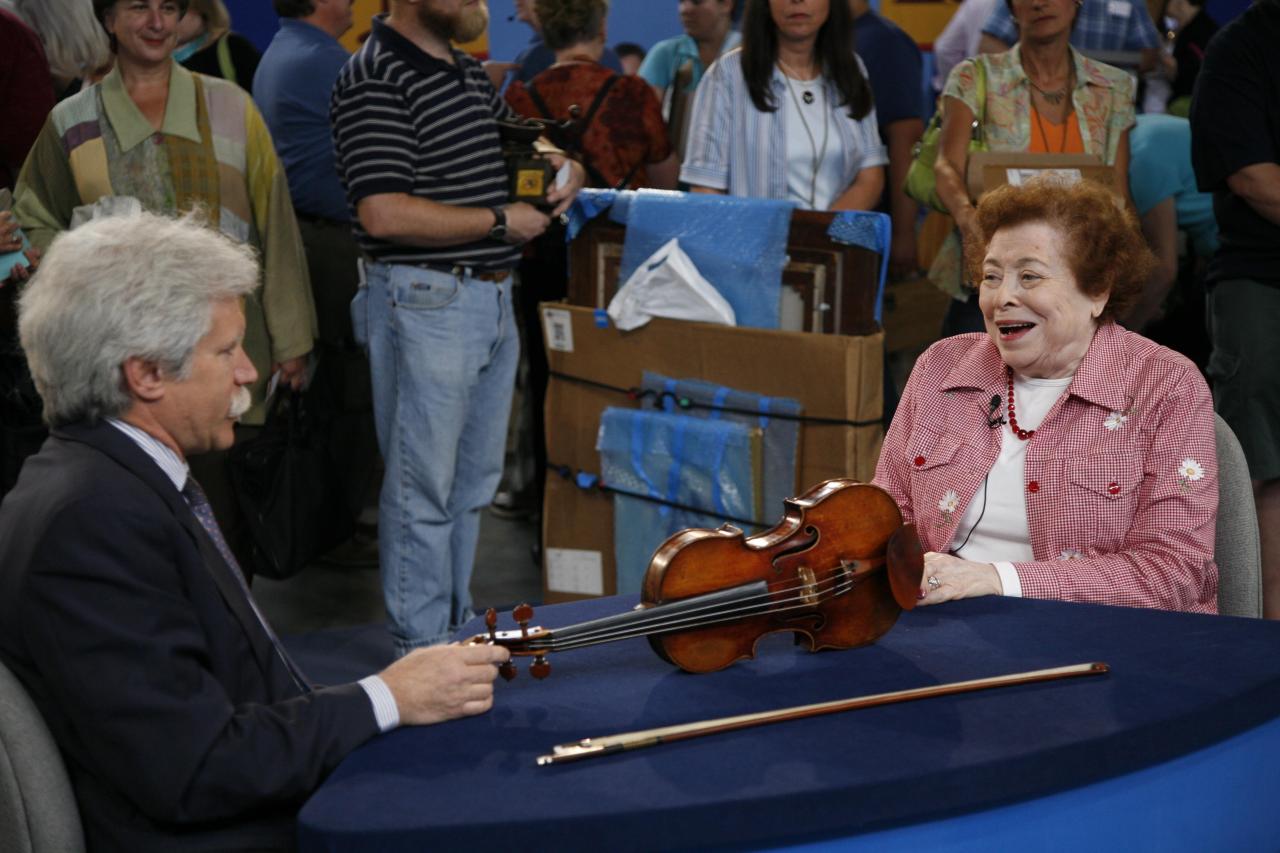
[332,617]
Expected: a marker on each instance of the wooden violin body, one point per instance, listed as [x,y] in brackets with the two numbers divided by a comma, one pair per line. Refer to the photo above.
[824,564]
[836,571]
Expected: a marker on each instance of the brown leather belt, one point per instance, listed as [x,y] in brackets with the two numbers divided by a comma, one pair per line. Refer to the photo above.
[456,270]
[495,276]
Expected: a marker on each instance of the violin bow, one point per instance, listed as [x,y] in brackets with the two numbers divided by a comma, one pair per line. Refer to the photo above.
[608,745]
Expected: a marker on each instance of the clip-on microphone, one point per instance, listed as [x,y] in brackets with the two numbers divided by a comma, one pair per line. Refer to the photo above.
[994,420]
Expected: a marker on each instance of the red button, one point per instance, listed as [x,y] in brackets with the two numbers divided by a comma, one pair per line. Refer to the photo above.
[919,461]
[1113,489]
[1033,486]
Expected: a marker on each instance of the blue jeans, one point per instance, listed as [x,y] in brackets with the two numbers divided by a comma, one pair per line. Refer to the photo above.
[443,351]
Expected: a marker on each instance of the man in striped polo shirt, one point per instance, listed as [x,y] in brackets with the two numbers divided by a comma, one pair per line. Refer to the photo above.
[415,133]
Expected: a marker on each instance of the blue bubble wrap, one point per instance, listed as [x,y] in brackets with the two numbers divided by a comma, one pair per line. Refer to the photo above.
[690,461]
[781,436]
[870,230]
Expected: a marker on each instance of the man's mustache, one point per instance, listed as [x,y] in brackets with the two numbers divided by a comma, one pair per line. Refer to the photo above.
[240,402]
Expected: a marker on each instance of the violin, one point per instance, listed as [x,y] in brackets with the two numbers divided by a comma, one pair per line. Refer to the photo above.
[835,571]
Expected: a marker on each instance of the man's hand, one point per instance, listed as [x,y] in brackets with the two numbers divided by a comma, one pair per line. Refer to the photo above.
[439,683]
[524,222]
[563,196]
[292,372]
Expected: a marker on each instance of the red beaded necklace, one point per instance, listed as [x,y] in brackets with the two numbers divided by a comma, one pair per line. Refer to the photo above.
[1021,433]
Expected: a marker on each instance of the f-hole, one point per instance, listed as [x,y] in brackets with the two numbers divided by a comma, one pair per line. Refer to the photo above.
[811,538]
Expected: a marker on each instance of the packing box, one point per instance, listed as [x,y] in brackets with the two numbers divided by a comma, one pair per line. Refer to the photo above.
[990,169]
[835,377]
[827,287]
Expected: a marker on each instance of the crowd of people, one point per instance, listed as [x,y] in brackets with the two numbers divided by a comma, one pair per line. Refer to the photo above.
[196,227]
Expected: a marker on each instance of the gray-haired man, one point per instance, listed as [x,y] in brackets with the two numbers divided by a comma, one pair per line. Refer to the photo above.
[184,722]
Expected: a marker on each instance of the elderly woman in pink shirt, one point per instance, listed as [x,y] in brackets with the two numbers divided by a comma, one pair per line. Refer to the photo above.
[1058,455]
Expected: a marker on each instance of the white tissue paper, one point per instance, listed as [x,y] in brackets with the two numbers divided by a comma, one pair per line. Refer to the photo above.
[667,284]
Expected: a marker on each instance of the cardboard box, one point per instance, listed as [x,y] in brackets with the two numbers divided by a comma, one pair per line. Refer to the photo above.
[837,377]
[827,286]
[990,169]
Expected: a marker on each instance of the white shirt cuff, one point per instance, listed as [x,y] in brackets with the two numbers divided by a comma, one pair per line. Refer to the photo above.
[384,704]
[1009,579]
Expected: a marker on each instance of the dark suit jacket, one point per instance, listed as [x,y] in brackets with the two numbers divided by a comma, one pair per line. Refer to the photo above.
[181,727]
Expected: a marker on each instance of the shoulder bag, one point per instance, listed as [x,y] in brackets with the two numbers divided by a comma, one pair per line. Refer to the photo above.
[922,183]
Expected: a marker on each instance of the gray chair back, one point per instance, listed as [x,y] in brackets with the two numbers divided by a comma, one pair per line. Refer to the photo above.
[1236,548]
[38,811]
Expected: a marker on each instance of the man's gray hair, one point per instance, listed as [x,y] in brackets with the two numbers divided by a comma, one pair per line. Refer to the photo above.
[122,287]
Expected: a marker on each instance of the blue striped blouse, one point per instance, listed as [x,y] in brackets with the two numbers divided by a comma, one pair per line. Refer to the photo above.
[736,148]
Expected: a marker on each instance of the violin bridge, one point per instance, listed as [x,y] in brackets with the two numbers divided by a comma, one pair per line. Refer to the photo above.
[808,586]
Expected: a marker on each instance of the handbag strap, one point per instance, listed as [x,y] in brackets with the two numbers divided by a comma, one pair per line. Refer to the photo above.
[980,74]
[225,65]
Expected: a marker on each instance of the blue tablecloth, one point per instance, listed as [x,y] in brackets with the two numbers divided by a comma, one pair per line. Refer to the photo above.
[1180,684]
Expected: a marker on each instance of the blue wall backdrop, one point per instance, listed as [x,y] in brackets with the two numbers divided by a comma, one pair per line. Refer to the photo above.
[640,21]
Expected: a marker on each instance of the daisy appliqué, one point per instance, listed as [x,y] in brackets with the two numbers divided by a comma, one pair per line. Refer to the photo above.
[1189,471]
[1071,554]
[1115,420]
[948,505]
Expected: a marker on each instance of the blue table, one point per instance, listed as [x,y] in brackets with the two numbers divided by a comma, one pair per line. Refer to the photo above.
[1175,749]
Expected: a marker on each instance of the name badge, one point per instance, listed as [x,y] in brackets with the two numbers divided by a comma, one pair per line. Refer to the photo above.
[1119,8]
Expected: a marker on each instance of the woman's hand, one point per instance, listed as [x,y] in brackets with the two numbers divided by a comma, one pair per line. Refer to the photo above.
[947,577]
[293,372]
[21,273]
[10,239]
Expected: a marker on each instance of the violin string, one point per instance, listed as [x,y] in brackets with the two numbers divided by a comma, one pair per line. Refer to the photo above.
[727,616]
[836,584]
[641,625]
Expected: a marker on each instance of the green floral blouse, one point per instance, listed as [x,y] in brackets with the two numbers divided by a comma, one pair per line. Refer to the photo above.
[1103,99]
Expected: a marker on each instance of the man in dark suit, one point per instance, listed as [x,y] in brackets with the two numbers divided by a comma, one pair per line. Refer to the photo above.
[184,722]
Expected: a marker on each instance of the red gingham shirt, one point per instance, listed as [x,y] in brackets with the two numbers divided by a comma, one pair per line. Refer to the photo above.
[1121,476]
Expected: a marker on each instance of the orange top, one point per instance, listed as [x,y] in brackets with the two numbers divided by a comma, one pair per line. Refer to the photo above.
[1047,137]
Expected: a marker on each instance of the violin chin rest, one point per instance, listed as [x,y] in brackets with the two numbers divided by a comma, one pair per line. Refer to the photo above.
[904,560]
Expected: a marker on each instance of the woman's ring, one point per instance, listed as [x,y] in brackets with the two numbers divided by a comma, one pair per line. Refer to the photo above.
[934,583]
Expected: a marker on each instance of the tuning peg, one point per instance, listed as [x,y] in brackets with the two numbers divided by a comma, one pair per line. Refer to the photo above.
[540,668]
[491,622]
[507,670]
[523,614]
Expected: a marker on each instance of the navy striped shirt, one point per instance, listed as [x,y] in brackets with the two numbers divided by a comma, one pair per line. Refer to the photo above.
[407,122]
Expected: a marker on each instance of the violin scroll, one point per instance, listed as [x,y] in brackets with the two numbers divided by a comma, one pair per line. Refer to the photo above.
[527,641]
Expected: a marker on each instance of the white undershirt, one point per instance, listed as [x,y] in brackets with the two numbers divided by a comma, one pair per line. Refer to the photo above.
[800,148]
[999,534]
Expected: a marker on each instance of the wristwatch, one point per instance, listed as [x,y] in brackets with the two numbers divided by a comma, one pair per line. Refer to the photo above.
[499,230]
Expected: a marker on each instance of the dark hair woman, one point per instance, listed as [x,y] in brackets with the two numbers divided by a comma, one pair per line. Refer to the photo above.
[789,114]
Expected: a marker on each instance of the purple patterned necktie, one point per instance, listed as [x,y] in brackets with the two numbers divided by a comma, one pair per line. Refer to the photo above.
[203,512]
